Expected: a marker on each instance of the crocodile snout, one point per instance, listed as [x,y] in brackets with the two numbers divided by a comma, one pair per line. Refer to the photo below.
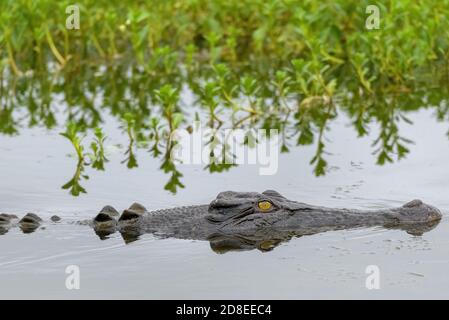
[418,211]
[434,213]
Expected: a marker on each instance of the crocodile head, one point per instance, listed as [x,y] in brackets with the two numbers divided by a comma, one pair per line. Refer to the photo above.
[248,220]
[253,210]
[252,220]
[270,210]
[416,217]
[417,211]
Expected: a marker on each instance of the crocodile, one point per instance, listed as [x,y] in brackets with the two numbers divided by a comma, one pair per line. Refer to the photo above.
[245,220]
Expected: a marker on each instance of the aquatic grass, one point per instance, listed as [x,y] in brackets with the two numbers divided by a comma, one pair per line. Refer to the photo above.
[74,184]
[72,134]
[97,157]
[169,98]
[209,98]
[155,137]
[260,32]
[168,166]
[129,125]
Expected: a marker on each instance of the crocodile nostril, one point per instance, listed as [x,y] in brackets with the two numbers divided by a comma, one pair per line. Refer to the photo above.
[435,214]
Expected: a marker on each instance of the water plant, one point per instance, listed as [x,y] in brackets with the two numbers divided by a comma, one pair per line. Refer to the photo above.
[97,158]
[74,184]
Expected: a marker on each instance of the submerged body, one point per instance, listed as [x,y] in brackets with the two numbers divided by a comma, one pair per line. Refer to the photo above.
[246,220]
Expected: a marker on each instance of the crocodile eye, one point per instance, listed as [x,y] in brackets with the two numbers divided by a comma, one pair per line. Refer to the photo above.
[264,205]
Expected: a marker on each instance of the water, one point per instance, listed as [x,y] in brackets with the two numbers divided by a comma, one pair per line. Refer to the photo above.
[33,167]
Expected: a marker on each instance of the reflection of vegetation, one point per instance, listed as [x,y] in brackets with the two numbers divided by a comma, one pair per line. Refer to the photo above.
[97,156]
[169,167]
[74,185]
[285,65]
[72,135]
[131,161]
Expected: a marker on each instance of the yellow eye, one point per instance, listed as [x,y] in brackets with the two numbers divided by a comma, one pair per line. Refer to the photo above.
[264,205]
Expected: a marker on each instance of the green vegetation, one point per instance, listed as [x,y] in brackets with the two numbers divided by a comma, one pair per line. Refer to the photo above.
[330,36]
[97,157]
[290,65]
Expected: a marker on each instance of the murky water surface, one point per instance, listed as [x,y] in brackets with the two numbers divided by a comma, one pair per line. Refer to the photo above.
[34,166]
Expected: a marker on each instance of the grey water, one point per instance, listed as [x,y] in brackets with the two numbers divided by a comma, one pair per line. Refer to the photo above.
[35,164]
